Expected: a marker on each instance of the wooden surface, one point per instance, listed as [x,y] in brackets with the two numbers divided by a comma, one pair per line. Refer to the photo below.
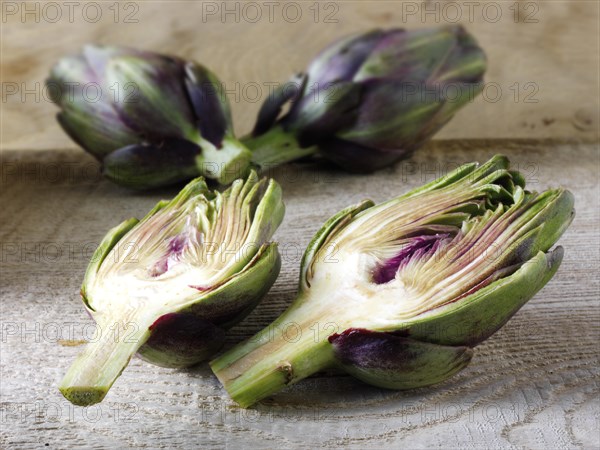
[532,385]
[543,55]
[535,384]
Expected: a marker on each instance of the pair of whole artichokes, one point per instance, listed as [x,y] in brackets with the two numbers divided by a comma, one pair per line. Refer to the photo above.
[363,103]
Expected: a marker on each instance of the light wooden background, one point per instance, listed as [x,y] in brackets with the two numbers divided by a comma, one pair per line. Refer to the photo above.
[543,56]
[535,384]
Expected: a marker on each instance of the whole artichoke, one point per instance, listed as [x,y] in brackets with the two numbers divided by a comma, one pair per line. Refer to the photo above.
[369,100]
[169,285]
[398,294]
[151,119]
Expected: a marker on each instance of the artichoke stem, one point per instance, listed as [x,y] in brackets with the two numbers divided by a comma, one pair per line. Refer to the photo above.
[275,147]
[96,368]
[293,347]
[225,164]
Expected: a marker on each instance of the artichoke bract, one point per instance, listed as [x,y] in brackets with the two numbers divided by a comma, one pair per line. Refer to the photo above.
[398,294]
[151,119]
[372,99]
[169,285]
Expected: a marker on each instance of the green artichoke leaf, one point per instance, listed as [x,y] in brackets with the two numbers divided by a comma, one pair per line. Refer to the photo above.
[474,318]
[230,302]
[111,239]
[395,362]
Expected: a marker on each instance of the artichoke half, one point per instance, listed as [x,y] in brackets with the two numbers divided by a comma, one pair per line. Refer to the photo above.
[398,294]
[169,285]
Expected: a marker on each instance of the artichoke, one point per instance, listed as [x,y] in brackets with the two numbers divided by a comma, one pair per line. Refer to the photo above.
[371,99]
[151,119]
[169,285]
[398,294]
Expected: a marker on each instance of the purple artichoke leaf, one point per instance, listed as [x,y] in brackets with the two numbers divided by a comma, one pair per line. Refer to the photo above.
[87,115]
[181,340]
[321,114]
[359,158]
[340,61]
[409,110]
[414,56]
[395,362]
[454,95]
[271,109]
[143,166]
[98,131]
[466,62]
[209,102]
[420,247]
[99,56]
[154,100]
[68,78]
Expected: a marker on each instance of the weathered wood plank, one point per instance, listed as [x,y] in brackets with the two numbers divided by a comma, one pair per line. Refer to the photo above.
[543,55]
[533,385]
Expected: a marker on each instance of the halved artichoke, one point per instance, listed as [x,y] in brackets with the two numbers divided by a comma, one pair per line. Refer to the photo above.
[400,292]
[169,286]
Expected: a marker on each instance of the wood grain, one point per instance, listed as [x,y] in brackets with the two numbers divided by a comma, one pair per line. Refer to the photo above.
[543,56]
[532,385]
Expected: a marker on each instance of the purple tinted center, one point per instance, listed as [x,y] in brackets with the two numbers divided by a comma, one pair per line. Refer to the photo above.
[419,247]
[177,243]
[174,251]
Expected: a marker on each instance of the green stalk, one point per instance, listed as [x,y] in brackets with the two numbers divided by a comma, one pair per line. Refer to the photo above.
[225,164]
[275,147]
[293,347]
[96,368]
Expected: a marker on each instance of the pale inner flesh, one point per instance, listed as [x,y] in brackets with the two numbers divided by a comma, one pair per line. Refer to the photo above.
[467,256]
